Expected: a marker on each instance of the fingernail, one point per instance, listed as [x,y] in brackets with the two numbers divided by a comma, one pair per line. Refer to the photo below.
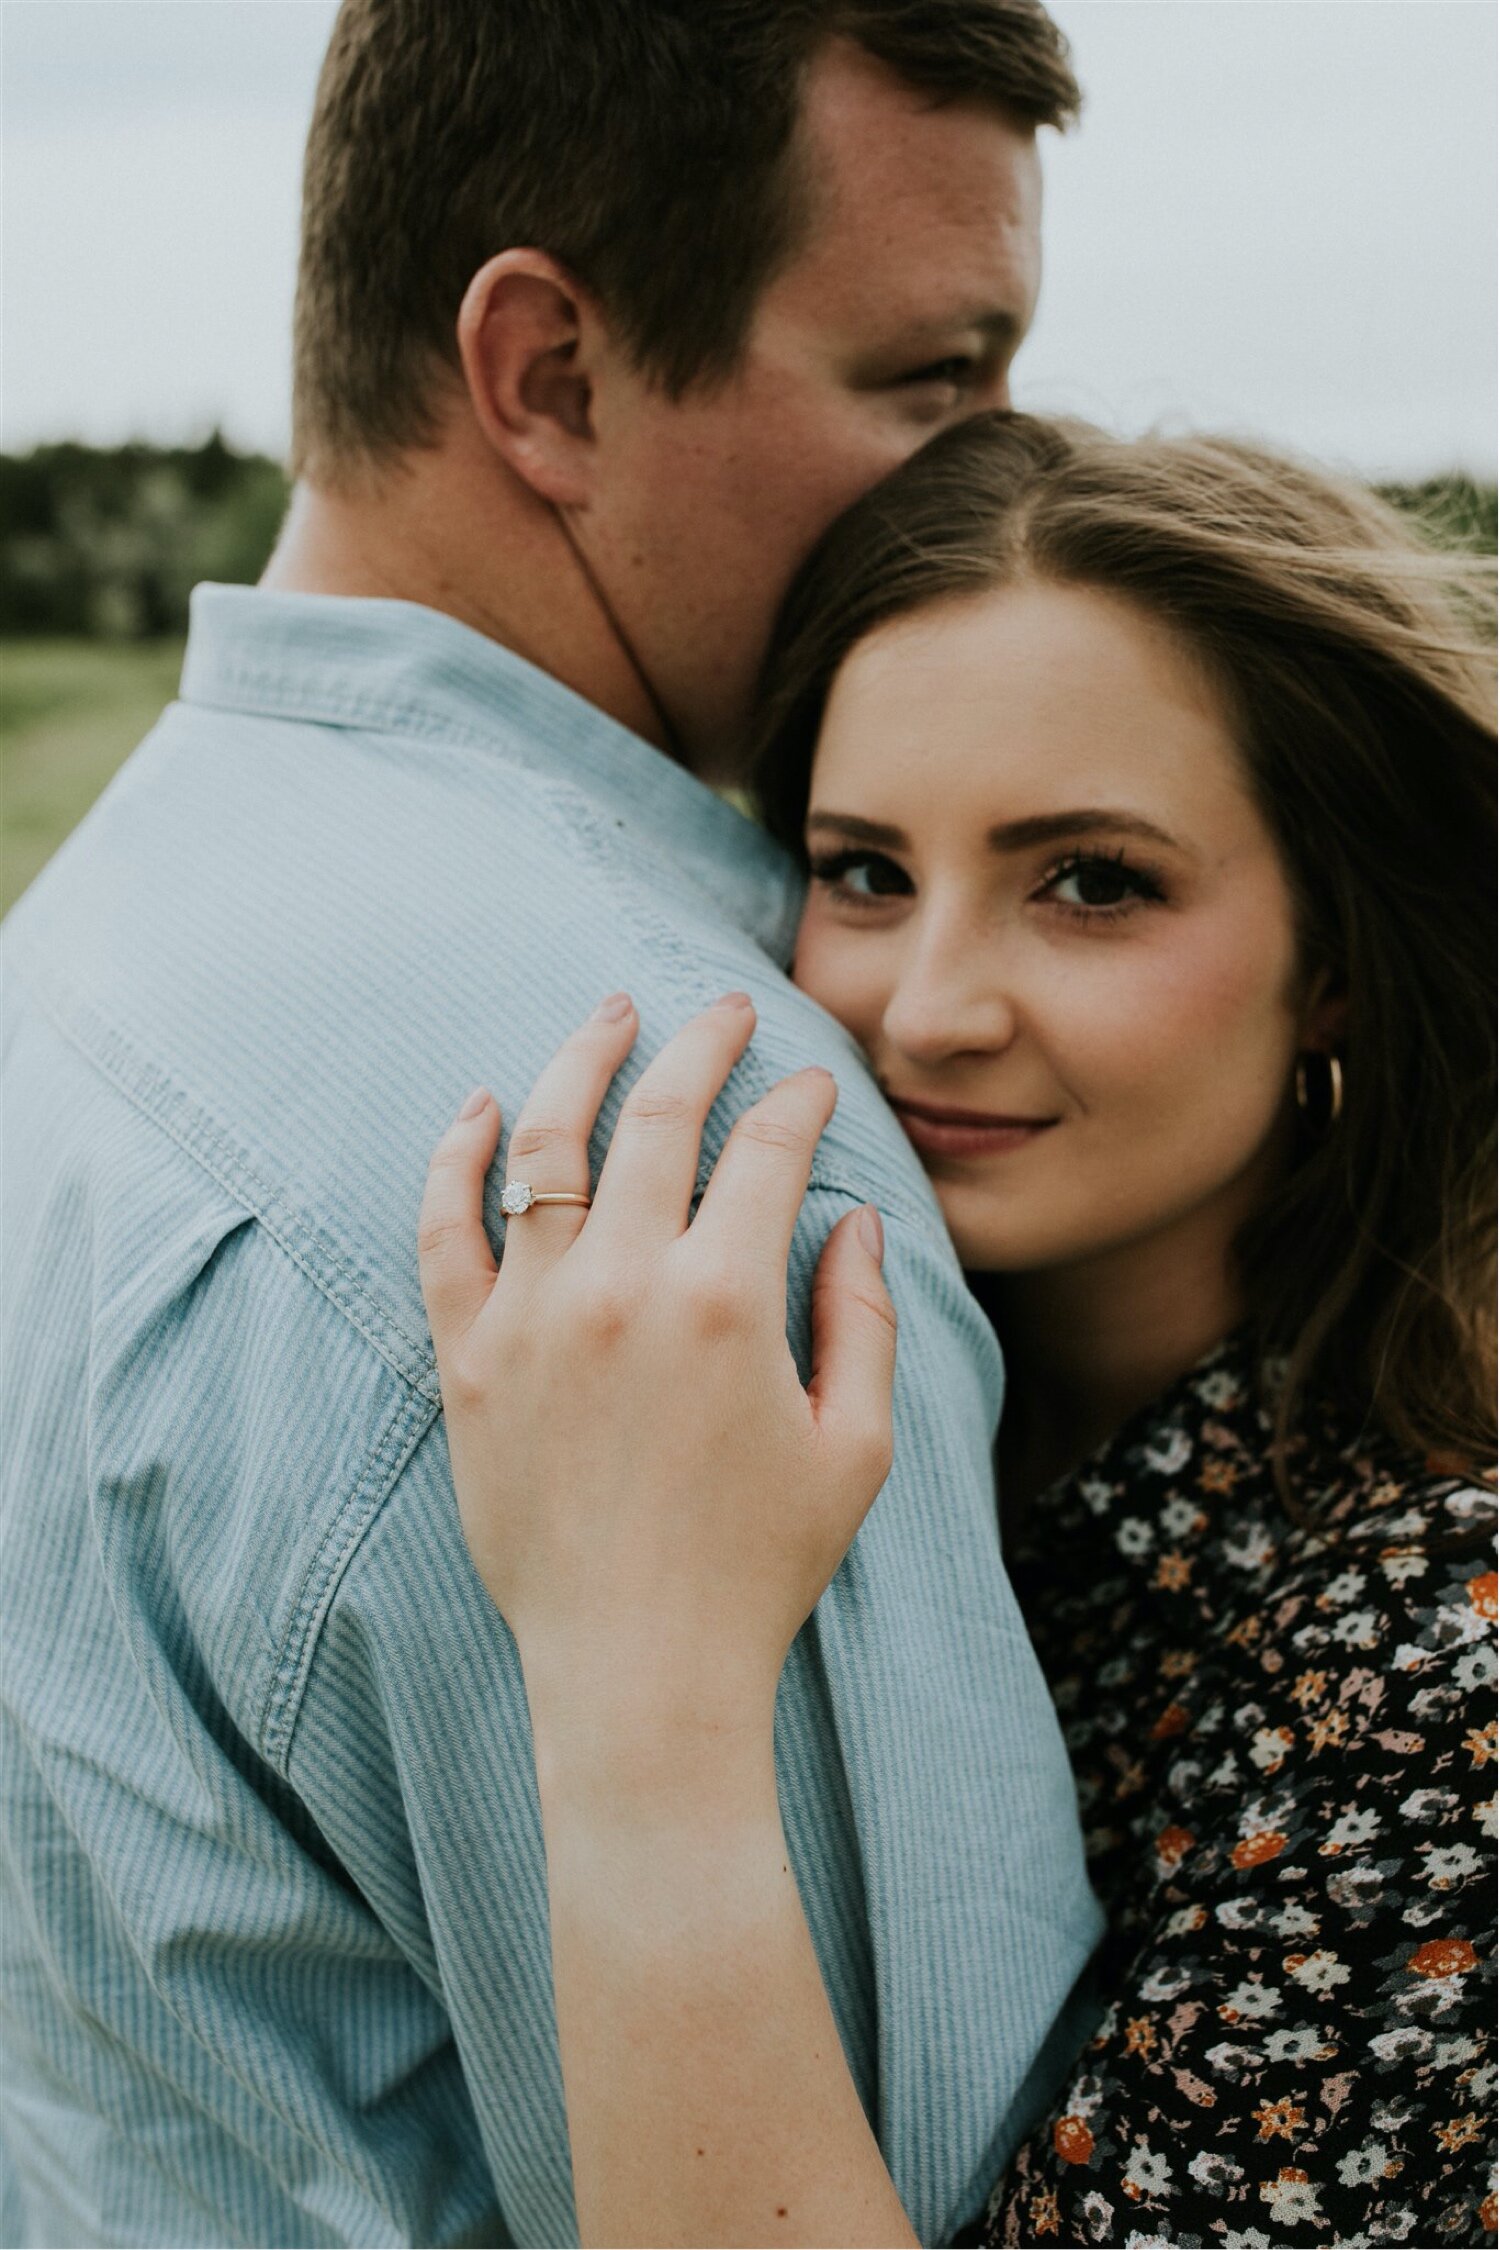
[611,1010]
[871,1232]
[734,1000]
[475,1103]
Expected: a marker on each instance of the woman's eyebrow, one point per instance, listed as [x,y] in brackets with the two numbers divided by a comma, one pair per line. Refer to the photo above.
[1006,835]
[1086,820]
[856,830]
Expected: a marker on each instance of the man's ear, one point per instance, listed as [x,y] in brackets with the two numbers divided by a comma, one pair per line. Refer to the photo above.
[523,329]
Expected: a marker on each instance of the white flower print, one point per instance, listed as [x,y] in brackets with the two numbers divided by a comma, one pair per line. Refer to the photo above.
[1246,2238]
[1164,1984]
[1228,2060]
[1095,1494]
[1397,2225]
[1270,1746]
[1218,1389]
[1482,2084]
[1184,1921]
[1297,2046]
[1253,2000]
[1213,2171]
[1098,2215]
[1451,1864]
[1408,1657]
[1357,1827]
[1148,2172]
[1389,2117]
[1347,1587]
[1179,1517]
[1449,2053]
[1424,1804]
[1171,1452]
[1237,1913]
[1318,1972]
[1295,1921]
[1293,2200]
[1252,1550]
[1357,1628]
[1133,1536]
[1476,1668]
[1408,2044]
[1484,1817]
[1399,1567]
[1362,2166]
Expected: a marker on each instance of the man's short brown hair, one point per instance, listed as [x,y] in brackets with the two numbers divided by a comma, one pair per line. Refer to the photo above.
[647,145]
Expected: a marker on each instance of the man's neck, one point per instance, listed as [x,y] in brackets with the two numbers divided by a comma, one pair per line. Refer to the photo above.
[451,529]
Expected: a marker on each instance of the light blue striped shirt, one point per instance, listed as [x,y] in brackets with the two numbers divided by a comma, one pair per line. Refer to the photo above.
[273,1919]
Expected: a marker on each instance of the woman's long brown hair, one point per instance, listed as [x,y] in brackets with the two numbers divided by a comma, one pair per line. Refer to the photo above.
[1352,663]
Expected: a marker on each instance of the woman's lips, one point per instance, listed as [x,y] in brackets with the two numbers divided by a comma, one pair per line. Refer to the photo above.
[937,1130]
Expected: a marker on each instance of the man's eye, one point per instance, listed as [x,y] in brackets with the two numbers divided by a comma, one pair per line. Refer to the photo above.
[957,370]
[863,876]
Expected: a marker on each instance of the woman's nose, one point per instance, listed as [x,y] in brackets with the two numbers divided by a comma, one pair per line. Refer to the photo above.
[950,1002]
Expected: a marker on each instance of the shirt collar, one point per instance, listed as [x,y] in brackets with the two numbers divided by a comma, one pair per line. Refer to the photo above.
[394,667]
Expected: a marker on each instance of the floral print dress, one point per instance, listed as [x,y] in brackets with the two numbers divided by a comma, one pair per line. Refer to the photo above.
[1284,1745]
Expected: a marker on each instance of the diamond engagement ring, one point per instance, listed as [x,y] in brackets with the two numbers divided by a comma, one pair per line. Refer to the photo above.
[519,1196]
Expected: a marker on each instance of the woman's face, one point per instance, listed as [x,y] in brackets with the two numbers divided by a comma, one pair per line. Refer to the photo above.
[1044,902]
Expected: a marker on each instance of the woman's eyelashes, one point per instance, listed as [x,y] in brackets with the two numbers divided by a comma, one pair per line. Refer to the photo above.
[860,877]
[1096,887]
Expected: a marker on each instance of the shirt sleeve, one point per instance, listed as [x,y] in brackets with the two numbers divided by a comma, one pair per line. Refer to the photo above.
[1300,2041]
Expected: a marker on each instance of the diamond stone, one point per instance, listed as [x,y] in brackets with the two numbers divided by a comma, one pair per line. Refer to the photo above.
[517,1198]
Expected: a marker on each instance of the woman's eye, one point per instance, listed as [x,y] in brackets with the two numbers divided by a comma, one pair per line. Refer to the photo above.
[864,876]
[1098,884]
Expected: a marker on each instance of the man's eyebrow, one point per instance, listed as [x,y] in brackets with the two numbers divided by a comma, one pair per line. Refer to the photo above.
[993,323]
[1006,835]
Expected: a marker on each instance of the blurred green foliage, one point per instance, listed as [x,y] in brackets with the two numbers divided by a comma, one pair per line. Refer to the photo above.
[109,543]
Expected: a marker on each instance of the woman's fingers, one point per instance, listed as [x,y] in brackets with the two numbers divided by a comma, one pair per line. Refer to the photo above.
[854,1350]
[645,1189]
[749,1210]
[549,1144]
[457,1263]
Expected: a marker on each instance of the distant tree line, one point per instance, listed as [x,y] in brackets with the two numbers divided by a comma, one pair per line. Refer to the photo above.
[110,542]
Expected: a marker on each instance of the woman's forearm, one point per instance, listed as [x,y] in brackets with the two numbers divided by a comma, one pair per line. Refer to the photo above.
[708,2096]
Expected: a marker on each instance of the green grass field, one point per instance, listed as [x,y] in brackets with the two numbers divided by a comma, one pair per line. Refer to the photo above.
[70,712]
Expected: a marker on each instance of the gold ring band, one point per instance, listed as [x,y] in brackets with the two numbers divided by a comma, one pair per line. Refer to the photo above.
[518,1197]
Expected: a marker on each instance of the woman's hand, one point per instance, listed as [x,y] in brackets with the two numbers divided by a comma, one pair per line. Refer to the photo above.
[656,1503]
[651,1497]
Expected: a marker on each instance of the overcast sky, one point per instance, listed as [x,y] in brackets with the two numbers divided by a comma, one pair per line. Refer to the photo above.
[1277,216]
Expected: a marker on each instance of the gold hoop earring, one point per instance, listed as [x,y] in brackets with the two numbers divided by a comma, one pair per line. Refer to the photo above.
[1331,1108]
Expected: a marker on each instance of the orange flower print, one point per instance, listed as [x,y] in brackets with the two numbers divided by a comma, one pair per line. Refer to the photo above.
[1173,1846]
[1260,1845]
[1072,2140]
[1332,1727]
[1172,1572]
[1457,2133]
[1140,2035]
[1218,1476]
[1172,1721]
[1443,1957]
[1308,1687]
[1177,1662]
[1480,1743]
[1246,1632]
[1482,1595]
[1046,2218]
[1488,2213]
[1278,2120]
